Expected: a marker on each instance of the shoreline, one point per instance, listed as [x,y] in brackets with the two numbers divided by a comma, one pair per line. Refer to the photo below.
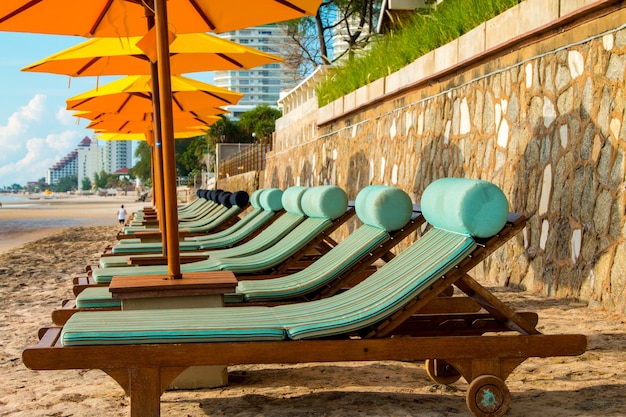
[22,222]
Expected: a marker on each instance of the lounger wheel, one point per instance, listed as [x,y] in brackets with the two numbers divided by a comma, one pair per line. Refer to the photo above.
[441,371]
[488,396]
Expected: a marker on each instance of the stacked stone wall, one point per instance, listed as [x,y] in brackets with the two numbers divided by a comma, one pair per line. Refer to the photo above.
[545,123]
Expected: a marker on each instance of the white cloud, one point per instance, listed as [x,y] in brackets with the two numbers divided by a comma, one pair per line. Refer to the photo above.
[18,124]
[41,154]
[65,117]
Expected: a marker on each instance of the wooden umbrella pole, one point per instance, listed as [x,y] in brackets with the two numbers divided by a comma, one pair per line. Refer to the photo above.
[167,135]
[158,144]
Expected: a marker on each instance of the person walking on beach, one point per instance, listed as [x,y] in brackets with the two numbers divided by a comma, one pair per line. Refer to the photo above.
[121,215]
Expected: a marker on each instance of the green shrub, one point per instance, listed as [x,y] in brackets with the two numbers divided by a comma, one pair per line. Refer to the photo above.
[427,30]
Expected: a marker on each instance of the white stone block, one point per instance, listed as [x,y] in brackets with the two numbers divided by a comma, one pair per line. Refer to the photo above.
[569,6]
[446,56]
[536,13]
[502,27]
[472,43]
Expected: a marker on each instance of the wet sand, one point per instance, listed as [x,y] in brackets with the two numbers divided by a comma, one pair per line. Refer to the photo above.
[36,276]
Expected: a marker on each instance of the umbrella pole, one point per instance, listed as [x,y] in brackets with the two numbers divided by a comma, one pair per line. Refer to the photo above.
[167,135]
[158,148]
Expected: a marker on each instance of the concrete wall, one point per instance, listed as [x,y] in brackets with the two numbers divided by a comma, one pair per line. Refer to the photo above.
[544,120]
[244,182]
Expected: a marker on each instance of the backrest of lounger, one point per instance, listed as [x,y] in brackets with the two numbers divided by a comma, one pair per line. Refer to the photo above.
[381,209]
[321,204]
[278,229]
[402,279]
[270,202]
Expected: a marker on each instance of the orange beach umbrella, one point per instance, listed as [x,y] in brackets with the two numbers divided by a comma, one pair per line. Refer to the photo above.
[122,18]
[191,52]
[134,94]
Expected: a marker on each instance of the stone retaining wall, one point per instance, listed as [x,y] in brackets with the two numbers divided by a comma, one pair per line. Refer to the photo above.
[544,122]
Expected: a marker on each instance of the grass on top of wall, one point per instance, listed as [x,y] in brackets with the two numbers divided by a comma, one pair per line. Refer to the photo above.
[427,30]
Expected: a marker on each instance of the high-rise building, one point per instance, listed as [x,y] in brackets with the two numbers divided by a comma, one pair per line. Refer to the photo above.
[66,167]
[88,158]
[261,85]
[119,154]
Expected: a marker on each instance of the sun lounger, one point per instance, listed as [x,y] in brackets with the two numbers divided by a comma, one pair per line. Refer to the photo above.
[229,205]
[312,215]
[375,320]
[265,204]
[388,217]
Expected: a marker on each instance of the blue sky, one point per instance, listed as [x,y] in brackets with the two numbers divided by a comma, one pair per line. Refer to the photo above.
[35,129]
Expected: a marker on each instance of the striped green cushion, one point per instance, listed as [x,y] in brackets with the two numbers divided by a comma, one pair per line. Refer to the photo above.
[276,254]
[342,257]
[172,326]
[249,217]
[383,293]
[96,297]
[374,299]
[263,240]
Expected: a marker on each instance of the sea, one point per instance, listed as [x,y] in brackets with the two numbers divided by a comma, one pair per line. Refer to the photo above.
[13,226]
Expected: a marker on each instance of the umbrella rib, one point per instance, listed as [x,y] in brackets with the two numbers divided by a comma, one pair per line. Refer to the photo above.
[229,59]
[204,17]
[124,103]
[19,10]
[218,97]
[87,65]
[291,6]
[105,9]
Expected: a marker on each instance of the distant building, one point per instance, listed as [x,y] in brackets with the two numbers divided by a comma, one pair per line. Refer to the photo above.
[66,167]
[261,85]
[88,158]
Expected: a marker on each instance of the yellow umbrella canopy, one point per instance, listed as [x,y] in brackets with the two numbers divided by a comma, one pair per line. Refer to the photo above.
[134,94]
[185,134]
[204,116]
[192,52]
[122,18]
[132,126]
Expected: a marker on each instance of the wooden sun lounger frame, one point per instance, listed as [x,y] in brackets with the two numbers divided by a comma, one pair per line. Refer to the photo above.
[145,371]
[358,271]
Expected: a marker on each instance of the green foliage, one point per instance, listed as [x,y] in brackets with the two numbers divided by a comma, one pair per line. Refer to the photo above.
[86,184]
[102,179]
[189,154]
[143,167]
[428,30]
[261,121]
[66,184]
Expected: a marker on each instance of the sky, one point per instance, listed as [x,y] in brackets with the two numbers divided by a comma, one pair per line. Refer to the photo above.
[36,130]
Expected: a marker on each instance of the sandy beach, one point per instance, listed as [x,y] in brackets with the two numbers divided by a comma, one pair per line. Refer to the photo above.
[36,275]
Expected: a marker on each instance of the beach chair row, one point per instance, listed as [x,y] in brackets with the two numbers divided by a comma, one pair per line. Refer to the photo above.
[403,311]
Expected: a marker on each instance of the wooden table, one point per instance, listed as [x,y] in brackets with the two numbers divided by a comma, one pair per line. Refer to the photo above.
[194,290]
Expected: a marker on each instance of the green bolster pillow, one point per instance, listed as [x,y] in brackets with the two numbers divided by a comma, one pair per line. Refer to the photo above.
[292,199]
[325,201]
[272,199]
[470,207]
[385,207]
[255,198]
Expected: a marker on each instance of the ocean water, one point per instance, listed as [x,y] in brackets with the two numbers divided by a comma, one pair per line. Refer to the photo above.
[10,227]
